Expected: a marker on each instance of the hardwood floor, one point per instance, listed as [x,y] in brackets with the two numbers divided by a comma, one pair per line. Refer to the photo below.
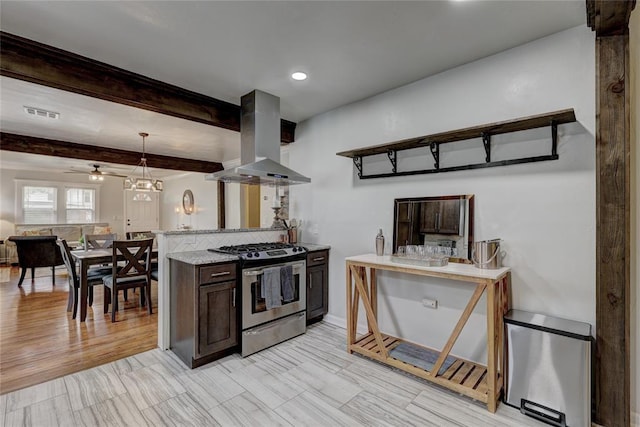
[39,340]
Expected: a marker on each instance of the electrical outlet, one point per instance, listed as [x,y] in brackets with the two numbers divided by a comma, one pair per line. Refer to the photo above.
[431,303]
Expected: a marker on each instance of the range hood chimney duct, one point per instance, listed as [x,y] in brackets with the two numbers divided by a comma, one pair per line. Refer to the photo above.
[260,145]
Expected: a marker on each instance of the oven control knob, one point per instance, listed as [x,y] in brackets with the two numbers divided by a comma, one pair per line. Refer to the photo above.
[294,249]
[256,254]
[249,255]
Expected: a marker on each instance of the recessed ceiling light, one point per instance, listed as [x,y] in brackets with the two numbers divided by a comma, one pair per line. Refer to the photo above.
[299,75]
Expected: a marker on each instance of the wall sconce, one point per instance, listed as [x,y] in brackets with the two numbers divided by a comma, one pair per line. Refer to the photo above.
[187,202]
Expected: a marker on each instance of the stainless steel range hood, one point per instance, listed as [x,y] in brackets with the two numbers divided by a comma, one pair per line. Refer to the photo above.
[260,145]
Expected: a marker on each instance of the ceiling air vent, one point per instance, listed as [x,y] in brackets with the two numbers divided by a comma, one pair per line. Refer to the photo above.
[41,113]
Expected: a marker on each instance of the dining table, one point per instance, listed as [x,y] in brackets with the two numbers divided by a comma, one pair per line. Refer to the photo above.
[87,258]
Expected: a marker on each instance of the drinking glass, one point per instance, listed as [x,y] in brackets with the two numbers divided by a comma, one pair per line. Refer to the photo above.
[412,251]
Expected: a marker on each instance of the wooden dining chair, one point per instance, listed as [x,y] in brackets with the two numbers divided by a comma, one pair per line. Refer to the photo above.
[99,241]
[136,272]
[94,278]
[136,235]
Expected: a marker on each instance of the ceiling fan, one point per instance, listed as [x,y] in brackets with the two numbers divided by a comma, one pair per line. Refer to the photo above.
[96,174]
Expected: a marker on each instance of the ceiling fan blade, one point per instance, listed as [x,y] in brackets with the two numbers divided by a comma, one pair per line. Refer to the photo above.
[100,172]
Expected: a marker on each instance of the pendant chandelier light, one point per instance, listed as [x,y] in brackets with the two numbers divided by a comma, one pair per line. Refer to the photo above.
[143,184]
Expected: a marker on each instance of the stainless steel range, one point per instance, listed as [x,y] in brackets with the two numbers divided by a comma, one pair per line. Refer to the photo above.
[273,293]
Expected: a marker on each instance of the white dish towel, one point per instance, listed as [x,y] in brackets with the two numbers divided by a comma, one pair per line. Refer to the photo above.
[271,290]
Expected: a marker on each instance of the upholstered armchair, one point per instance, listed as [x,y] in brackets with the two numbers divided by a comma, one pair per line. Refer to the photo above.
[37,251]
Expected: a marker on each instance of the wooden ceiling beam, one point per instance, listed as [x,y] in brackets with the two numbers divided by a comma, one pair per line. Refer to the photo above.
[35,62]
[51,147]
[609,18]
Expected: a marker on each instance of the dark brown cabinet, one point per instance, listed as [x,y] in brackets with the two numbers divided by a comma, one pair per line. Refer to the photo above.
[204,315]
[407,224]
[317,285]
[217,318]
[440,217]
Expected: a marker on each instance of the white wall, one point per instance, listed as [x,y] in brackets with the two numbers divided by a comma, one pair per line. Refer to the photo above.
[111,207]
[544,212]
[205,196]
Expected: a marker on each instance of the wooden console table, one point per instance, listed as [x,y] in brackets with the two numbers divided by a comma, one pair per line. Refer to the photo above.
[483,383]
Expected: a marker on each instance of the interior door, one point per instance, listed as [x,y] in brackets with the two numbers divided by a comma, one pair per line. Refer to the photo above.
[141,215]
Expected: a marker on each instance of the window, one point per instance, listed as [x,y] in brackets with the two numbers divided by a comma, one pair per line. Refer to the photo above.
[80,205]
[39,205]
[38,202]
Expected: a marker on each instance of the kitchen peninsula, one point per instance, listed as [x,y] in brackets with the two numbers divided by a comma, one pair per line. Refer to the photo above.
[200,305]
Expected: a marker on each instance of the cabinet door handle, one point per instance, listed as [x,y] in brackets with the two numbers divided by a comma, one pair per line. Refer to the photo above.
[224,273]
[233,297]
[320,258]
[310,283]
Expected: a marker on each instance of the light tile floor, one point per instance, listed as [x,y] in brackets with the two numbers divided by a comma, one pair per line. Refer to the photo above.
[307,381]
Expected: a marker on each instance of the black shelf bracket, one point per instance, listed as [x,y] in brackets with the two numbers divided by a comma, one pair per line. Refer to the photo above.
[357,161]
[393,159]
[554,138]
[465,167]
[486,141]
[484,132]
[435,152]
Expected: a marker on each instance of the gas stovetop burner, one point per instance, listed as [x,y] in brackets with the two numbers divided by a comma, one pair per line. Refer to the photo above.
[262,251]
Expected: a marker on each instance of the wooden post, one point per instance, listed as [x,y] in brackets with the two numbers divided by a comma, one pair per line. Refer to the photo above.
[612,241]
[610,20]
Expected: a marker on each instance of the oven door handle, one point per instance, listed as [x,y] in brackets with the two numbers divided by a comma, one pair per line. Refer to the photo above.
[259,272]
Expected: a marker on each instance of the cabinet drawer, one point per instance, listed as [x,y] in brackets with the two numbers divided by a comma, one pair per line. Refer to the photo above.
[317,258]
[217,273]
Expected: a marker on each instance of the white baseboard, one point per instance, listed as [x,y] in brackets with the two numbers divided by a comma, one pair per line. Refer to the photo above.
[337,321]
[342,322]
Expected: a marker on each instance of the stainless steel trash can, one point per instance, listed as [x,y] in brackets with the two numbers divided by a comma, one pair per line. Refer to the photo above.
[548,368]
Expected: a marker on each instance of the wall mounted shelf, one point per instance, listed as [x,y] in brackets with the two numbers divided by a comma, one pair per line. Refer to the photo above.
[485,132]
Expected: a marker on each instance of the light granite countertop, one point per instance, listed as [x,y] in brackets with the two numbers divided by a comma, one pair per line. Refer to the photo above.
[313,247]
[202,257]
[224,230]
[207,257]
